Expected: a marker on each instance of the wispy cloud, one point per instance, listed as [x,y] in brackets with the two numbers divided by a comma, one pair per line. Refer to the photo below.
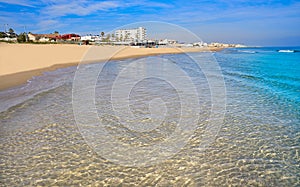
[212,14]
[19,2]
[230,17]
[44,26]
[87,7]
[142,3]
[80,8]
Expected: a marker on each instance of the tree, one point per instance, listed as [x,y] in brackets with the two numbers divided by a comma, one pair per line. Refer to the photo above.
[11,31]
[107,37]
[38,37]
[2,35]
[56,32]
[22,38]
[102,34]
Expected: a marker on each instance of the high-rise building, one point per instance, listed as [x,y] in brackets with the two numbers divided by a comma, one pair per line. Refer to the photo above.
[131,35]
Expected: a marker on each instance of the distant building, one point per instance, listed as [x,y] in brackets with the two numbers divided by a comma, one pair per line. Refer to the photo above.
[131,35]
[43,37]
[70,37]
[166,42]
[92,38]
[52,37]
[216,44]
[6,36]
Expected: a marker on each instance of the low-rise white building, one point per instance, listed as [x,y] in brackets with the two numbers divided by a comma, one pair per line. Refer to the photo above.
[167,42]
[91,38]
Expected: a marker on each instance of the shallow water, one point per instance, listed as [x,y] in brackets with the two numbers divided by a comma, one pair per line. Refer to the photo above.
[257,145]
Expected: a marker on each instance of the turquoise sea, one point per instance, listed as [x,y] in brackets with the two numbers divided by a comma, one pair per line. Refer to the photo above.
[258,143]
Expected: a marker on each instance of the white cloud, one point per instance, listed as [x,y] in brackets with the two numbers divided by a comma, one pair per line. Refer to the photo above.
[44,25]
[147,4]
[19,2]
[80,8]
[86,7]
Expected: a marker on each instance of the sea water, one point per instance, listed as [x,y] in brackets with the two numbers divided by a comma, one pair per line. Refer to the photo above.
[258,143]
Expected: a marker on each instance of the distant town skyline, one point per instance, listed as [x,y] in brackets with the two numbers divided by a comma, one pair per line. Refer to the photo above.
[263,23]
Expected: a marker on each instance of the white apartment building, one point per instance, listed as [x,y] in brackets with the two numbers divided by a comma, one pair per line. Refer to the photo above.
[131,35]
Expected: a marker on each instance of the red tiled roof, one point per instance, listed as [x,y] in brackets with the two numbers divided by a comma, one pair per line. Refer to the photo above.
[47,35]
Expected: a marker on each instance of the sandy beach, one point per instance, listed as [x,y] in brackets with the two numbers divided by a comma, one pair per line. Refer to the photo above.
[20,62]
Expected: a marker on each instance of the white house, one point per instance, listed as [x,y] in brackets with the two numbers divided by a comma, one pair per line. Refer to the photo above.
[92,38]
[43,37]
[167,42]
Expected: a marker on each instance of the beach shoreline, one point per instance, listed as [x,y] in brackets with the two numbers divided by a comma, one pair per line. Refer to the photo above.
[20,62]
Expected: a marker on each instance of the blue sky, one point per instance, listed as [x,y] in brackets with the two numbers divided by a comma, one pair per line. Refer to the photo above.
[252,22]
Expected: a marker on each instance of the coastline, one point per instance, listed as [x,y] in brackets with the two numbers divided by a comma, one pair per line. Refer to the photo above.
[20,62]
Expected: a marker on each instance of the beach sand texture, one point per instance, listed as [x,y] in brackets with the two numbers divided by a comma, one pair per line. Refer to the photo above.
[19,62]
